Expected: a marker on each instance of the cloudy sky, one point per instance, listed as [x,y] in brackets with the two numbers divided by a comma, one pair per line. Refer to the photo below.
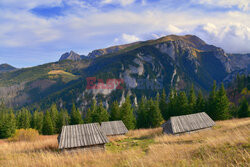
[39,31]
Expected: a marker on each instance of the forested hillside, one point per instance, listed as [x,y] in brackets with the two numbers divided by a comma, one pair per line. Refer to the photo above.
[149,113]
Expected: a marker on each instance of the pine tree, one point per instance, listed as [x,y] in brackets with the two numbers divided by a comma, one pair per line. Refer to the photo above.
[103,113]
[182,104]
[115,111]
[39,123]
[63,119]
[172,105]
[200,105]
[191,100]
[142,115]
[221,104]
[154,114]
[91,110]
[7,123]
[76,117]
[212,102]
[127,115]
[54,117]
[23,119]
[48,128]
[163,105]
[243,109]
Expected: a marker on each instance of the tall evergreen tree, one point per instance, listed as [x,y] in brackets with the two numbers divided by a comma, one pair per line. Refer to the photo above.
[200,105]
[172,105]
[127,115]
[115,111]
[7,123]
[23,119]
[163,105]
[90,112]
[48,128]
[54,116]
[142,115]
[182,104]
[154,114]
[76,117]
[63,119]
[191,100]
[221,105]
[100,114]
[243,109]
[211,108]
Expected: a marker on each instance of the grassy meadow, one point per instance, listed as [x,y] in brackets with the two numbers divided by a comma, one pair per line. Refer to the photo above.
[226,144]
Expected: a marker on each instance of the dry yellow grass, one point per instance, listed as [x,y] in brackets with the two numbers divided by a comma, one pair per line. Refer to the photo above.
[227,144]
[59,72]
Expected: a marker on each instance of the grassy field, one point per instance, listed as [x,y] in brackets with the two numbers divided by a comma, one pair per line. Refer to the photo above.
[227,144]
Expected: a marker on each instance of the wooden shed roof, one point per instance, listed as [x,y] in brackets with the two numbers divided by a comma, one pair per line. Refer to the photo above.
[114,128]
[191,122]
[82,135]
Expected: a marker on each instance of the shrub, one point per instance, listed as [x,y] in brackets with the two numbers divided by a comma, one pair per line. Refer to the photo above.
[25,135]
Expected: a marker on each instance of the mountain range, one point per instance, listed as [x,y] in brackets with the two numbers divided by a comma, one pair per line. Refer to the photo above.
[145,67]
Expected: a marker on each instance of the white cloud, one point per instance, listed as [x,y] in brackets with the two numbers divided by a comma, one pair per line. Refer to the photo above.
[126,38]
[241,4]
[28,4]
[173,29]
[121,2]
[82,28]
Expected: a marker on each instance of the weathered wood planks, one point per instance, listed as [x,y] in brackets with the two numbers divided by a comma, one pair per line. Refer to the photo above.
[114,128]
[187,123]
[83,135]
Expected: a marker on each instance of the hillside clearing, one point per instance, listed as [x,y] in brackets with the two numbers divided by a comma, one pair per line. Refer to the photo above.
[227,144]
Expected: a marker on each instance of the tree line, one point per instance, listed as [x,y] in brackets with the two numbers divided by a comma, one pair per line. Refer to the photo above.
[149,113]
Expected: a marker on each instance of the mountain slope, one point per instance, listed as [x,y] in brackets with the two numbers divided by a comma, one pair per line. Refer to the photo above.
[6,68]
[145,67]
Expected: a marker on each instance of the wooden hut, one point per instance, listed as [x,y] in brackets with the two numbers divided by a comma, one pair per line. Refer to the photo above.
[83,136]
[113,128]
[187,123]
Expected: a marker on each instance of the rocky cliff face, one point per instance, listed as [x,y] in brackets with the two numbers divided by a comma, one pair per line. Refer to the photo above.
[72,56]
[145,67]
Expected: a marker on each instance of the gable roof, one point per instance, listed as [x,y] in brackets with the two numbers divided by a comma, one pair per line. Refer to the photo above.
[82,135]
[187,123]
[114,128]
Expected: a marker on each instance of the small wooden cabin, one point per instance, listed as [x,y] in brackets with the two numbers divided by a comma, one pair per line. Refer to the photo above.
[112,128]
[187,123]
[83,136]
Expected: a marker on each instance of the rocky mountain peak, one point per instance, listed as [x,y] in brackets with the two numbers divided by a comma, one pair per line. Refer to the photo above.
[71,56]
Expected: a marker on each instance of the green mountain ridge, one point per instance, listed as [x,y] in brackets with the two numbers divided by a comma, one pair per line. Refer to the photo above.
[176,61]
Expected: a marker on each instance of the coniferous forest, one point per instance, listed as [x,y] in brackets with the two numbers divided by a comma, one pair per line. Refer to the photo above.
[149,113]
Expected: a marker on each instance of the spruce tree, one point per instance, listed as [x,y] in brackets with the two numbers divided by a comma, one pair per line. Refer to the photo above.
[191,100]
[200,105]
[23,119]
[39,123]
[76,117]
[154,114]
[54,116]
[163,105]
[182,104]
[142,115]
[48,128]
[63,119]
[211,108]
[115,111]
[127,115]
[243,109]
[90,112]
[7,123]
[221,104]
[172,106]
